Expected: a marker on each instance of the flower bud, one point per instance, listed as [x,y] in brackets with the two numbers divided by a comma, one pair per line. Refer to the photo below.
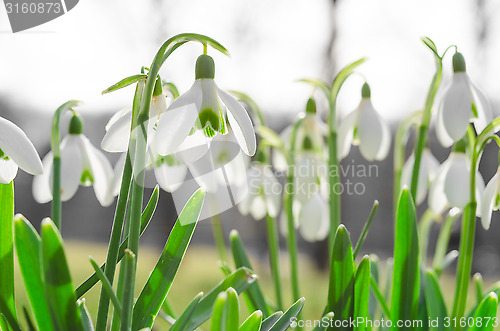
[311,106]
[76,125]
[458,62]
[205,67]
[365,91]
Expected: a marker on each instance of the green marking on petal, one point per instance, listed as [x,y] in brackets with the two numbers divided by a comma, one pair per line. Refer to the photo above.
[355,139]
[167,159]
[497,200]
[474,110]
[208,118]
[87,178]
[223,157]
[307,144]
[1,154]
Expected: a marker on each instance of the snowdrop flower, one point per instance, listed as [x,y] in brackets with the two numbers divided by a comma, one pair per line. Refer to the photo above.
[314,224]
[462,103]
[194,118]
[490,200]
[427,172]
[312,129]
[366,128]
[117,134]
[81,164]
[264,192]
[451,184]
[16,150]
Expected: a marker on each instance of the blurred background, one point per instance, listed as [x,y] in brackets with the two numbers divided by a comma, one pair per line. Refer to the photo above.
[272,45]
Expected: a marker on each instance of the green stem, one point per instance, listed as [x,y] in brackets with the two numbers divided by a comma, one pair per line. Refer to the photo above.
[424,126]
[218,232]
[55,141]
[130,261]
[424,227]
[443,240]
[117,229]
[7,298]
[273,240]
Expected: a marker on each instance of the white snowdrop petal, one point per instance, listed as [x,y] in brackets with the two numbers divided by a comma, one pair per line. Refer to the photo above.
[42,191]
[175,124]
[479,191]
[240,122]
[205,174]
[437,199]
[158,106]
[346,133]
[16,145]
[117,136]
[193,147]
[441,133]
[306,177]
[101,171]
[488,201]
[483,107]
[258,208]
[374,141]
[8,171]
[457,107]
[115,185]
[314,224]
[71,166]
[456,182]
[170,178]
[116,116]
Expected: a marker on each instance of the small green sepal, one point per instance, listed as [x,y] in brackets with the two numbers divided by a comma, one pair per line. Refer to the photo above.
[365,91]
[158,87]
[460,146]
[205,67]
[311,106]
[458,62]
[76,125]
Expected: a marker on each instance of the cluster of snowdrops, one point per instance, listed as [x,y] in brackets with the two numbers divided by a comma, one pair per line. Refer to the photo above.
[208,135]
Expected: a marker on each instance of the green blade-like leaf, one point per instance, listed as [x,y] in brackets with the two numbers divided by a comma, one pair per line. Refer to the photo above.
[233,310]
[186,37]
[86,319]
[125,82]
[181,322]
[146,217]
[107,286]
[284,321]
[219,315]
[253,322]
[478,286]
[341,284]
[319,84]
[29,321]
[254,291]
[405,288]
[375,273]
[271,137]
[495,288]
[7,301]
[436,308]
[240,279]
[429,43]
[29,255]
[362,292]
[366,228]
[269,322]
[486,312]
[156,289]
[443,240]
[59,286]
[343,74]
[380,298]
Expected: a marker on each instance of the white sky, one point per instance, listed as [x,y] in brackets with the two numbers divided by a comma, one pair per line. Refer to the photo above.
[272,43]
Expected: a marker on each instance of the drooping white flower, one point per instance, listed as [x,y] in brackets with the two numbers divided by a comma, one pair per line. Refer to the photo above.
[16,150]
[451,184]
[427,172]
[461,104]
[191,121]
[314,215]
[490,200]
[366,128]
[117,135]
[264,193]
[310,134]
[81,164]
[310,176]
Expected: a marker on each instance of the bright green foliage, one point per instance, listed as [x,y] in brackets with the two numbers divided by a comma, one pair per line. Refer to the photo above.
[485,314]
[362,291]
[405,288]
[253,322]
[436,308]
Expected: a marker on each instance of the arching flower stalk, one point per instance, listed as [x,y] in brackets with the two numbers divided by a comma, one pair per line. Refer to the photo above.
[81,164]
